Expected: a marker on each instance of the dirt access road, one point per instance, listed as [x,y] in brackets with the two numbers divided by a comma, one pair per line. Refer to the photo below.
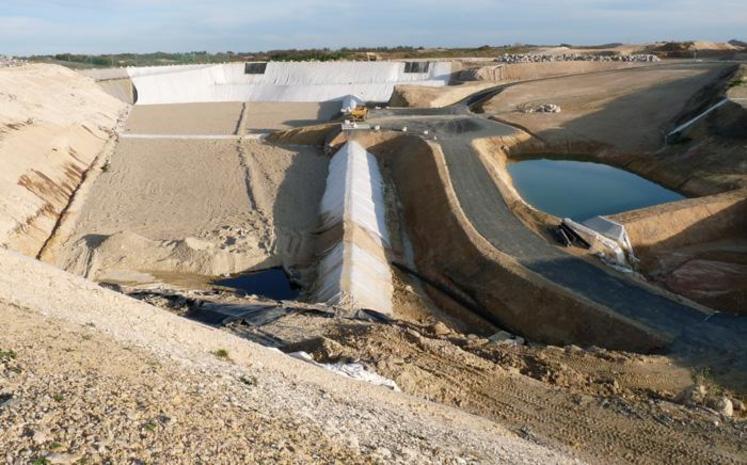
[698,339]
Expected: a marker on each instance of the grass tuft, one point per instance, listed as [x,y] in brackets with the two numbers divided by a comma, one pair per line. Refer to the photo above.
[248,380]
[222,354]
[7,355]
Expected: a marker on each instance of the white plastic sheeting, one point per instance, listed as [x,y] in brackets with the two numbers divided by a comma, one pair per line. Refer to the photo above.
[281,82]
[608,249]
[355,191]
[350,370]
[351,273]
[611,230]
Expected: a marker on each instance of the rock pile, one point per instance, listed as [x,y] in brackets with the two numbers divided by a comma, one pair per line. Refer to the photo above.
[7,62]
[512,58]
[541,108]
[698,395]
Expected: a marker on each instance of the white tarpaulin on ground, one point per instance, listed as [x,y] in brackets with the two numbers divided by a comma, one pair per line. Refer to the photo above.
[349,370]
[280,82]
[354,271]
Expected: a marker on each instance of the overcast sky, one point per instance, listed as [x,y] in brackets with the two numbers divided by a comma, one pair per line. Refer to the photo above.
[104,26]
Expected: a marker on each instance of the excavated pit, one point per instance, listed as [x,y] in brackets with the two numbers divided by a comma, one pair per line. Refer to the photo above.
[675,241]
[197,203]
[208,207]
[186,193]
[189,193]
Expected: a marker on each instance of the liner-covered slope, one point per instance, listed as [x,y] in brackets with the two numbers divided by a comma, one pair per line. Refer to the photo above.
[289,82]
[354,270]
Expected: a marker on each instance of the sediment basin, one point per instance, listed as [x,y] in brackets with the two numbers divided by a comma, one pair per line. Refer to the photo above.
[581,190]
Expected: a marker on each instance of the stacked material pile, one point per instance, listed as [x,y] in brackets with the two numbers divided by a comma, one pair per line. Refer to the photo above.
[7,62]
[541,108]
[511,58]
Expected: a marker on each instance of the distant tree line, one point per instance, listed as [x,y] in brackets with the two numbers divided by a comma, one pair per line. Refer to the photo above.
[315,54]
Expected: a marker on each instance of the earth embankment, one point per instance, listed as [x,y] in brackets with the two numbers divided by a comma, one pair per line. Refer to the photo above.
[53,124]
[448,250]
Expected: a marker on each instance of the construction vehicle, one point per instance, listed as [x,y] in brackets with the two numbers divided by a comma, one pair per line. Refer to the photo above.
[359,114]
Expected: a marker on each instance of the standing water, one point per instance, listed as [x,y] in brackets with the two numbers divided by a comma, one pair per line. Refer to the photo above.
[272,283]
[581,190]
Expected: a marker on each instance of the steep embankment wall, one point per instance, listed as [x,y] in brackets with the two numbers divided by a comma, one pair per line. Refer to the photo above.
[450,251]
[114,81]
[290,82]
[417,96]
[353,269]
[53,124]
[121,89]
[691,221]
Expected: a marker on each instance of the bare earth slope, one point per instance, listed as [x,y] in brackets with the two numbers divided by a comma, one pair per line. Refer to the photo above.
[199,206]
[121,381]
[53,124]
[625,109]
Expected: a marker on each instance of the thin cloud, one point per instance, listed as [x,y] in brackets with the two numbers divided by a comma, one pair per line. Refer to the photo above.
[87,26]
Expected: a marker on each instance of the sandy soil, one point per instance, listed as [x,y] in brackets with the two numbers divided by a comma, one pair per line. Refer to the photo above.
[628,49]
[227,117]
[738,87]
[53,124]
[711,272]
[624,49]
[287,184]
[187,118]
[200,206]
[263,116]
[606,407]
[595,105]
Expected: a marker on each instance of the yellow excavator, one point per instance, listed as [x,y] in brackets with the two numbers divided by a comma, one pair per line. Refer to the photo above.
[359,114]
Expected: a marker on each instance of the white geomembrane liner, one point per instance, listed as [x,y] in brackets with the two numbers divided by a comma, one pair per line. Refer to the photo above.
[355,191]
[350,274]
[281,82]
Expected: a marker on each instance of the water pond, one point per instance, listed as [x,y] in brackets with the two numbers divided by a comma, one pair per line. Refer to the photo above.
[581,190]
[272,283]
